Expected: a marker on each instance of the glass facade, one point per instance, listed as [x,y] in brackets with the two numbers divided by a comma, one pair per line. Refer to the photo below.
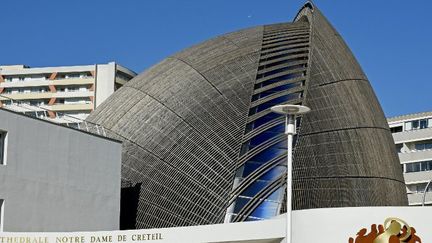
[259,187]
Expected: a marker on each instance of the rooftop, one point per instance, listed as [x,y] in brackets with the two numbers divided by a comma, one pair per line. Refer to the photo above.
[409,116]
[24,69]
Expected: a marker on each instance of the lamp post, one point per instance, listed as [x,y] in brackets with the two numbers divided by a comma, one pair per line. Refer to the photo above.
[424,193]
[290,112]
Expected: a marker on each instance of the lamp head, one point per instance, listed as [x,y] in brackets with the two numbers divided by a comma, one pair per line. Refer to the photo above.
[290,109]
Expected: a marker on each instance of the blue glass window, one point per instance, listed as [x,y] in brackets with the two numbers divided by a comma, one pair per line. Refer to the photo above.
[277,79]
[277,195]
[276,90]
[263,180]
[268,209]
[252,219]
[263,137]
[274,173]
[262,120]
[275,101]
[265,210]
[255,187]
[282,144]
[267,134]
[240,202]
[250,167]
[262,75]
[270,153]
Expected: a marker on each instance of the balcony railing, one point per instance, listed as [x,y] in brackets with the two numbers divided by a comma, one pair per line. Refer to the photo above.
[43,113]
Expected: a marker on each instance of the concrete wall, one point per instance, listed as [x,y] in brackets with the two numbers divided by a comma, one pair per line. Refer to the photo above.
[105,75]
[57,178]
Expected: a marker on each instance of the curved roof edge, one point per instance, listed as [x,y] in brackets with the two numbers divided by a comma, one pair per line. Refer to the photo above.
[308,5]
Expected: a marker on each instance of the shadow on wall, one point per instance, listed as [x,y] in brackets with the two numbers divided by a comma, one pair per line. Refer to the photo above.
[129,206]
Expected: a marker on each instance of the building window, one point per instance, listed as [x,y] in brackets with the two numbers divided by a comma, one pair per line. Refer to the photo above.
[396,129]
[417,124]
[3,142]
[399,148]
[419,188]
[423,123]
[72,75]
[7,102]
[424,145]
[418,166]
[1,214]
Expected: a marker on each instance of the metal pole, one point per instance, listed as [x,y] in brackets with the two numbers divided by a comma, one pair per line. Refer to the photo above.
[289,131]
[424,193]
[290,112]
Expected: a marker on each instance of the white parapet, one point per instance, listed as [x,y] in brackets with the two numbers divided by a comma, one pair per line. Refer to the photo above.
[313,225]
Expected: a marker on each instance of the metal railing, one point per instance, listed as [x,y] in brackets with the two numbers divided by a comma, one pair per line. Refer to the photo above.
[43,113]
[424,192]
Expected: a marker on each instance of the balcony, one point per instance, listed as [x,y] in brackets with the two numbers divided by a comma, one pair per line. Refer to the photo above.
[416,155]
[412,135]
[60,118]
[27,96]
[121,80]
[70,107]
[73,94]
[416,198]
[22,108]
[421,176]
[25,83]
[69,81]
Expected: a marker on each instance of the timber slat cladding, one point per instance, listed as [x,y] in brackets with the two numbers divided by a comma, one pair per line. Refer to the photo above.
[189,123]
[345,154]
[182,124]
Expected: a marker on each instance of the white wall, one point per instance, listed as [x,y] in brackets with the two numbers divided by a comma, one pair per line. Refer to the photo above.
[105,77]
[58,178]
[315,225]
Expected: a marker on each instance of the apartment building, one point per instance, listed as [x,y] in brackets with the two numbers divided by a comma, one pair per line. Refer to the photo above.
[413,138]
[60,94]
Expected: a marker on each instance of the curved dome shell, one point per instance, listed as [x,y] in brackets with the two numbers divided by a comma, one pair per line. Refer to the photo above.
[193,125]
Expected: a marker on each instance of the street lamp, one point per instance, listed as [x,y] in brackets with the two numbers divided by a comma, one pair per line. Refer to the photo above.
[290,112]
[424,193]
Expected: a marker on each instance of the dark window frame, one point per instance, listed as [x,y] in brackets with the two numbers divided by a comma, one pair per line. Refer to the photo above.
[3,147]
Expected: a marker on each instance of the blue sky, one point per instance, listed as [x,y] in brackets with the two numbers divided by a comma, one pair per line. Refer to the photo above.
[391,39]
